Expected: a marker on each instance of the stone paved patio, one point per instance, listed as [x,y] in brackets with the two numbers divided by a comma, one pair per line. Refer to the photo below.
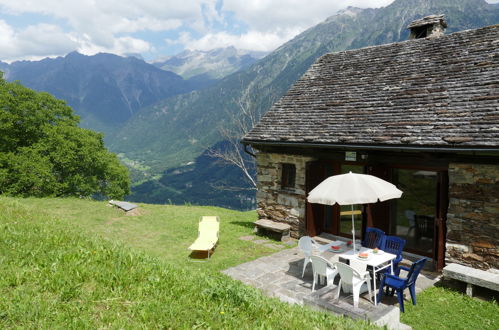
[279,275]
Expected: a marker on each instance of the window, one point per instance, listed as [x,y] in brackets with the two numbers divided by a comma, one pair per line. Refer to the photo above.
[288,176]
[414,213]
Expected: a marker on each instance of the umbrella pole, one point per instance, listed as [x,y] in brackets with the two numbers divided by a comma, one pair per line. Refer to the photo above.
[353,231]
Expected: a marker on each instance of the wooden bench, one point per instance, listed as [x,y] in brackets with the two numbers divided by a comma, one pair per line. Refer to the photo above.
[472,276]
[276,230]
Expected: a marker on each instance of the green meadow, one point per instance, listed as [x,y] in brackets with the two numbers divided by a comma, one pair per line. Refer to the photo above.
[76,263]
[69,263]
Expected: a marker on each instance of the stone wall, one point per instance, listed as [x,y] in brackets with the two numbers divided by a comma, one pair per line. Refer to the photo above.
[473,216]
[278,204]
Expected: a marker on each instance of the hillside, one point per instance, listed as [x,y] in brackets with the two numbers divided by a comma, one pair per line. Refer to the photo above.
[173,132]
[205,181]
[76,263]
[105,90]
[58,273]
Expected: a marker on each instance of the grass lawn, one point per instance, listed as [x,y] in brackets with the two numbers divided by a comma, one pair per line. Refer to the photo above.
[163,231]
[58,272]
[82,264]
[442,308]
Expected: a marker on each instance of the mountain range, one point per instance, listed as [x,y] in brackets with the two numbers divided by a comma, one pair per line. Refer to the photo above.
[164,140]
[105,90]
[212,64]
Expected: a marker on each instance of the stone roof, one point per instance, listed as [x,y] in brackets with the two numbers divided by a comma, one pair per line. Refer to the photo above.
[440,92]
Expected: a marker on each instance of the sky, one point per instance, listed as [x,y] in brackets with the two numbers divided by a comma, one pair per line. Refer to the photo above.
[35,29]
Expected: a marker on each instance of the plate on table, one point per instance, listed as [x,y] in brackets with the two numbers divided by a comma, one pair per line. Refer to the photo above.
[380,252]
[340,249]
[363,258]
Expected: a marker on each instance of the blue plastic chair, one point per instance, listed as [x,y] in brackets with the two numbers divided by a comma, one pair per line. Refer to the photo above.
[373,238]
[400,284]
[394,245]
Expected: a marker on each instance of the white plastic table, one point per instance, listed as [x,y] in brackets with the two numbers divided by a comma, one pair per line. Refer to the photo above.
[378,261]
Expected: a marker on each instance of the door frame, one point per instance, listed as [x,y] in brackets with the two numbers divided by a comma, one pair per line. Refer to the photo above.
[316,172]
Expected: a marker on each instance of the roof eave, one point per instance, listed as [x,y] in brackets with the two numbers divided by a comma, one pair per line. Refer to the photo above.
[345,146]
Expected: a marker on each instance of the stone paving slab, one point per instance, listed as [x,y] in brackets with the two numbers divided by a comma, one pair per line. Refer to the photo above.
[279,275]
[381,315]
[274,246]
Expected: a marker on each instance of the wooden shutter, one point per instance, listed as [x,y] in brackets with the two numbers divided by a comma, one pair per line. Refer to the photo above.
[314,212]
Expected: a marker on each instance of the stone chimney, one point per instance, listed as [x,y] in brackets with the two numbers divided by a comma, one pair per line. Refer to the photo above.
[432,26]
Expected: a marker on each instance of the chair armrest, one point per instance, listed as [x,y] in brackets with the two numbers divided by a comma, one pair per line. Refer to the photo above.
[363,275]
[394,281]
[331,265]
[404,268]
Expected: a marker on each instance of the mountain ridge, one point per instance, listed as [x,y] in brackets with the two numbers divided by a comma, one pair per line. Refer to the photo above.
[213,64]
[105,90]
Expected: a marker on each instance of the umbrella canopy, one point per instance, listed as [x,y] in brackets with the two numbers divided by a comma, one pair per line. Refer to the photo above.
[353,188]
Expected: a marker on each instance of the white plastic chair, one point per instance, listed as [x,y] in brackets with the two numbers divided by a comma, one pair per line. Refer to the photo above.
[323,269]
[353,279]
[307,245]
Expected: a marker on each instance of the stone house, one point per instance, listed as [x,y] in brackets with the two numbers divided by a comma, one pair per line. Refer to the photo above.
[422,114]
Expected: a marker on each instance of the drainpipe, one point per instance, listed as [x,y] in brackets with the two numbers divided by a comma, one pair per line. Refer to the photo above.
[247,151]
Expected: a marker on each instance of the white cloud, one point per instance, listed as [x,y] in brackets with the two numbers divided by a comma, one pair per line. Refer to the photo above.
[103,25]
[120,45]
[34,42]
[7,35]
[253,40]
[265,15]
[211,14]
[273,22]
[117,26]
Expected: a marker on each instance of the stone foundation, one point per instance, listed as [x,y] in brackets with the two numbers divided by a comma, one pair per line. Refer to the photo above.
[285,205]
[473,216]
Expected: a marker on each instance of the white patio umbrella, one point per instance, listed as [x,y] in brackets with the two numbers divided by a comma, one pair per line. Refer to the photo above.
[353,188]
